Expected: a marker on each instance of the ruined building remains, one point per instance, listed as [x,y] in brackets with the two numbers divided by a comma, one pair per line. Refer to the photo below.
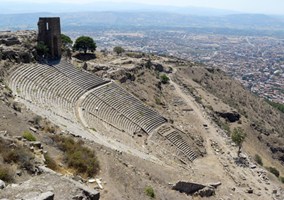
[49,32]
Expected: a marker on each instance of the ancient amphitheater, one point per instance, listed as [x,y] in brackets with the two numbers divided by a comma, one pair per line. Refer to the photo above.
[81,97]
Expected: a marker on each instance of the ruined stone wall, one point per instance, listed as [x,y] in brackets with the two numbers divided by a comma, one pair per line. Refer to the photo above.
[49,32]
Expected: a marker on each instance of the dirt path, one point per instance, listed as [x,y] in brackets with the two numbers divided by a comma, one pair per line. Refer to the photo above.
[225,171]
[211,130]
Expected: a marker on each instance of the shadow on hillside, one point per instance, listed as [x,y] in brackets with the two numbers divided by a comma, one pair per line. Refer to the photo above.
[85,57]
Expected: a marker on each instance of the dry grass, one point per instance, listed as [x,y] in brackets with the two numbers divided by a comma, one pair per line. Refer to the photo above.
[77,156]
[50,162]
[6,174]
[18,155]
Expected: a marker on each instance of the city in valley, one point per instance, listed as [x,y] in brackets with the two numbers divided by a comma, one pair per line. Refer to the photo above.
[257,61]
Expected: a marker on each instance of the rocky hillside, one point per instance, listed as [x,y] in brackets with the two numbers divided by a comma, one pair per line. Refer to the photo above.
[259,119]
[229,103]
[18,46]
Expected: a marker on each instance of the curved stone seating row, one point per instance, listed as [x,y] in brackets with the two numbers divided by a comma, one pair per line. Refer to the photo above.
[175,138]
[91,120]
[94,122]
[39,82]
[129,106]
[44,85]
[27,83]
[83,79]
[22,80]
[95,106]
[60,86]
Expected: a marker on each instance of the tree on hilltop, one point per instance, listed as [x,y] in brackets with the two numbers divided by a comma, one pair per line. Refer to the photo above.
[85,43]
[66,40]
[66,45]
[238,136]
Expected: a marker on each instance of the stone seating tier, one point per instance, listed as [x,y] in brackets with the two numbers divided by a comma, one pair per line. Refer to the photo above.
[59,87]
[47,87]
[82,78]
[129,106]
[175,138]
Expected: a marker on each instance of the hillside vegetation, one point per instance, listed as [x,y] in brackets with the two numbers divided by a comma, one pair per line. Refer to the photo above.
[279,106]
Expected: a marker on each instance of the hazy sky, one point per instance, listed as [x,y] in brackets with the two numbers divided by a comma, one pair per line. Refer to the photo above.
[254,6]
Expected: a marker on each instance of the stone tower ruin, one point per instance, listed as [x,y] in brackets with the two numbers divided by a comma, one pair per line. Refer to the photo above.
[49,32]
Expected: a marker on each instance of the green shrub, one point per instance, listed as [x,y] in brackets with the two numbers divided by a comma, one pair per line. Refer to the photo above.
[281,178]
[274,171]
[77,156]
[258,159]
[29,136]
[64,143]
[118,50]
[135,54]
[150,192]
[158,101]
[83,161]
[164,79]
[50,163]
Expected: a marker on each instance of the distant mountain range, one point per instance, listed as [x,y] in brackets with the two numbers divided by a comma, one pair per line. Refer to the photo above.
[16,7]
[73,20]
